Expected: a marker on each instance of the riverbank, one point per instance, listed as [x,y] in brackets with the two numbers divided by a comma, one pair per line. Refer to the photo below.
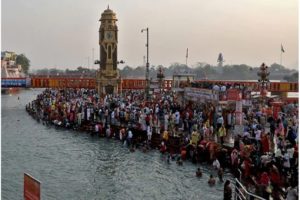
[193,132]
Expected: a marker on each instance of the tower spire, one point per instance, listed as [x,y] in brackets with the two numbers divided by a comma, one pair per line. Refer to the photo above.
[108,7]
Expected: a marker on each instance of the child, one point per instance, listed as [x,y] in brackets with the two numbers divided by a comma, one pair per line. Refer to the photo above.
[199,173]
[211,180]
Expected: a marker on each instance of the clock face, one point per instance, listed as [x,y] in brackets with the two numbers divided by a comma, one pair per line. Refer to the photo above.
[109,35]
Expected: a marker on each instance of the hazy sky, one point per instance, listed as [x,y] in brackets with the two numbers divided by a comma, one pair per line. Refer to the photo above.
[62,33]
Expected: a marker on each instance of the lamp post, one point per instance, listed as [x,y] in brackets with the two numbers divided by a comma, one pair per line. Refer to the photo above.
[263,81]
[147,88]
[120,81]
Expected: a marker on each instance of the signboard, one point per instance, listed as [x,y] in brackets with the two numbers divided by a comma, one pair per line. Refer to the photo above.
[13,82]
[32,190]
[233,95]
[197,94]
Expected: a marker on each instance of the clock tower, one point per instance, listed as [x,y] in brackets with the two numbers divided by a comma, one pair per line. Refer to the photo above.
[107,76]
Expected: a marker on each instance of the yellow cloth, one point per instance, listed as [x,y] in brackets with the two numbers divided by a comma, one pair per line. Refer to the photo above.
[166,135]
[195,138]
[222,132]
[207,123]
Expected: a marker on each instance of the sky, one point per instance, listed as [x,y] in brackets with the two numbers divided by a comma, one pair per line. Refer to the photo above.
[63,33]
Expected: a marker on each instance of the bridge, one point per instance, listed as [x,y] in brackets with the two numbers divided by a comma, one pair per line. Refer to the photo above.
[131,84]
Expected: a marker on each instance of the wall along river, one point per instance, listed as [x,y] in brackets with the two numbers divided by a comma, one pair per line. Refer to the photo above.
[76,165]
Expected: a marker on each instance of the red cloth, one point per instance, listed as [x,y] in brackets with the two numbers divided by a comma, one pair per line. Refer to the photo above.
[295,151]
[275,178]
[163,149]
[247,164]
[265,144]
[203,142]
[183,154]
[264,179]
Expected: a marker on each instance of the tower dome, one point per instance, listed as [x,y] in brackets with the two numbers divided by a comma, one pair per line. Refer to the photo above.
[108,14]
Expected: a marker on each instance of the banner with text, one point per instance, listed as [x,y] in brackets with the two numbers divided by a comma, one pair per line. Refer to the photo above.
[198,94]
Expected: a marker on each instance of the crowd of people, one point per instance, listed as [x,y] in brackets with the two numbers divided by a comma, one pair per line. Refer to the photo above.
[264,154]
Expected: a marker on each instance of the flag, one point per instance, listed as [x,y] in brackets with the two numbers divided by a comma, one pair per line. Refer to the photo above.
[187,53]
[282,50]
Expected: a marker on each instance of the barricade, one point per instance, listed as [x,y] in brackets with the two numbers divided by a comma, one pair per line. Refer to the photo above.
[241,192]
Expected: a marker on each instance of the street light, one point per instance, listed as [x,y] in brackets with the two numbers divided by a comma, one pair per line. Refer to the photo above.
[121,62]
[147,66]
[121,88]
[97,62]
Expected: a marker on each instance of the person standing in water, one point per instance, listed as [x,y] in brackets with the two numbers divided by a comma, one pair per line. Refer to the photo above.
[198,172]
[220,174]
[211,181]
[227,191]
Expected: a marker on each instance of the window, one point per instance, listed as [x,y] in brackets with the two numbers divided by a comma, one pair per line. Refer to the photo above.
[109,51]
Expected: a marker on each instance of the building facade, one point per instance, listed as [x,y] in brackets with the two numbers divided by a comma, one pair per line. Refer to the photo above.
[9,67]
[107,77]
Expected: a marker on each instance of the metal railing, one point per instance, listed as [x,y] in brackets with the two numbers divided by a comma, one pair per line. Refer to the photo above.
[241,192]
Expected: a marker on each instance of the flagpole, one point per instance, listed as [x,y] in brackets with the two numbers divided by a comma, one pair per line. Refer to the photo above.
[186,56]
[281,57]
[281,51]
[186,61]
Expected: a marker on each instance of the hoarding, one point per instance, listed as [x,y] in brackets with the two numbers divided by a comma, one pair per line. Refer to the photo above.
[197,94]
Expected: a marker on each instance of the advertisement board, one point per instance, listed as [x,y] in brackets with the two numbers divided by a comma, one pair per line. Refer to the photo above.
[198,94]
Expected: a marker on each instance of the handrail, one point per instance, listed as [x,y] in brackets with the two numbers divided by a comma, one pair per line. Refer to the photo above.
[247,193]
[240,174]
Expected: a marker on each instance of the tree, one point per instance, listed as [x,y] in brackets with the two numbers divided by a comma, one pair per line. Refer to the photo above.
[277,68]
[292,78]
[126,71]
[44,71]
[24,62]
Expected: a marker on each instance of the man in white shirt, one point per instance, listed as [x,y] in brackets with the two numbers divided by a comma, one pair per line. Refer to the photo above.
[166,121]
[129,137]
[216,164]
[113,117]
[88,114]
[286,162]
[96,128]
[258,137]
[149,133]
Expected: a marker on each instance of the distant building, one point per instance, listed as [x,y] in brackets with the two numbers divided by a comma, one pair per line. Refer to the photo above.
[181,80]
[9,68]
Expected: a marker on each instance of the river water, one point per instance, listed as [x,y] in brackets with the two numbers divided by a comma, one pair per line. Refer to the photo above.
[75,165]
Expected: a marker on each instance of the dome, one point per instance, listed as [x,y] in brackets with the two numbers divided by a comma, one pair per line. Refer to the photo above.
[108,14]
